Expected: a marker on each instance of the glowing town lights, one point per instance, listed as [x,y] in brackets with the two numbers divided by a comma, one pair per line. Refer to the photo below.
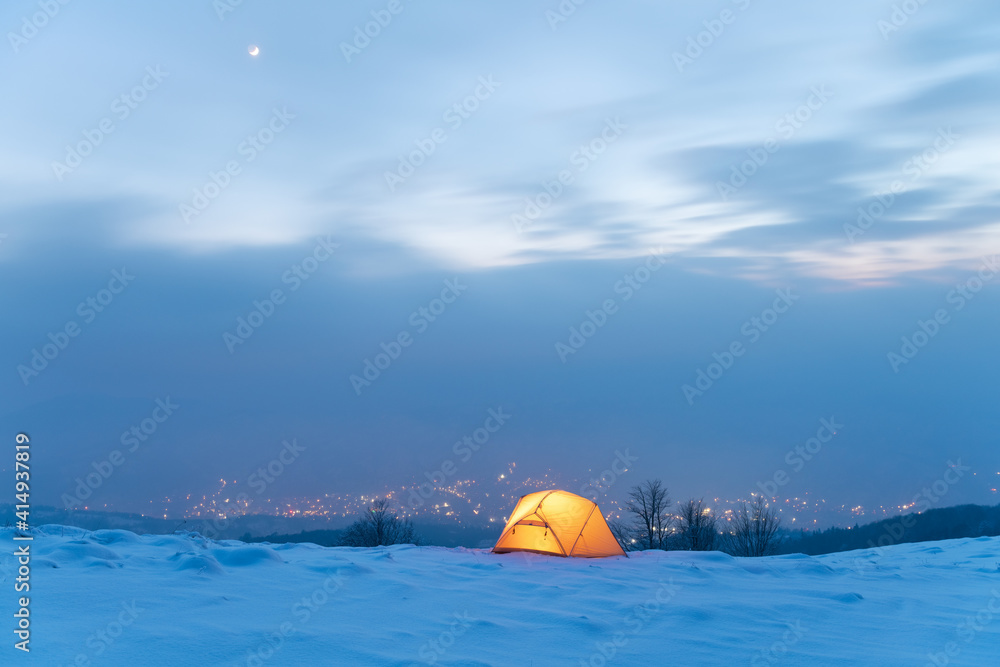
[474,500]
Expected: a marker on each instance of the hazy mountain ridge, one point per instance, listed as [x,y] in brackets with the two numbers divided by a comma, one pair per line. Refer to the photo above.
[945,523]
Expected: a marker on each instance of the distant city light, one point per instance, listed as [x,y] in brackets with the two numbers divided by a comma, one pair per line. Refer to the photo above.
[482,502]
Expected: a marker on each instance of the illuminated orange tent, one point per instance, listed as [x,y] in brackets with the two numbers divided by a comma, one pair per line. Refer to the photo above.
[558,523]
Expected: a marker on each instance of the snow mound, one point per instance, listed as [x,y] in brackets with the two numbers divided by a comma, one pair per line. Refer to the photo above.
[244,556]
[114,537]
[77,551]
[200,563]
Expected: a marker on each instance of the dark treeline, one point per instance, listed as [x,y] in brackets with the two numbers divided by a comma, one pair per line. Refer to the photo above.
[946,523]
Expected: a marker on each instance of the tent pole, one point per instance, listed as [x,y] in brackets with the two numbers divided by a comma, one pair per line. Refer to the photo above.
[582,528]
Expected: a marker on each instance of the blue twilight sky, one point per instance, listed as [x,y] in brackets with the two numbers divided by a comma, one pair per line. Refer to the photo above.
[543,161]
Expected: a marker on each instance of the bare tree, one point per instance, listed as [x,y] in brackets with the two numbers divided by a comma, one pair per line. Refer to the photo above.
[648,503]
[753,530]
[698,526]
[379,526]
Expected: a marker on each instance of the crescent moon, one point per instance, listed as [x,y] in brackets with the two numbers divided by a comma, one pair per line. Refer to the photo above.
[254,50]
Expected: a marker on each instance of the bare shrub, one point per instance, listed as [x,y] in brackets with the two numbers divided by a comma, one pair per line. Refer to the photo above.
[697,527]
[379,526]
[753,530]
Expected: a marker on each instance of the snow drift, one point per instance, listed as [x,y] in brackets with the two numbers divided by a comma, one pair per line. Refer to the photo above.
[112,597]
